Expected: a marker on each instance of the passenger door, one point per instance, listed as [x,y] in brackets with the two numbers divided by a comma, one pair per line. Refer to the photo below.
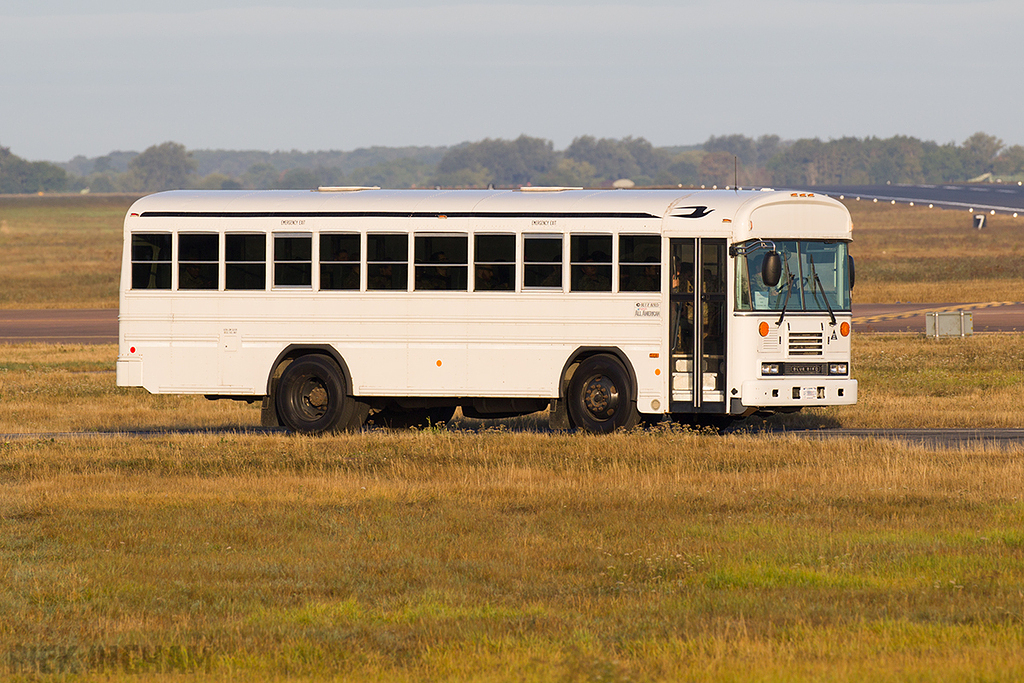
[697,323]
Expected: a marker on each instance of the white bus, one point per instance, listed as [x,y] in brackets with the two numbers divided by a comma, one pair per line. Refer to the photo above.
[607,307]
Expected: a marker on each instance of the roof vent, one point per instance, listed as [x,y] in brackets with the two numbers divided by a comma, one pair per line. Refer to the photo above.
[347,188]
[532,188]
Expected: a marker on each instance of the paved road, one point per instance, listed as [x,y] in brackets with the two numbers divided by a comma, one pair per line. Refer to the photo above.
[993,316]
[99,326]
[998,197]
[59,326]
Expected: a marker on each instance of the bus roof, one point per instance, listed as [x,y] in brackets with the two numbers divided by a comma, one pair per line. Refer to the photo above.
[719,206]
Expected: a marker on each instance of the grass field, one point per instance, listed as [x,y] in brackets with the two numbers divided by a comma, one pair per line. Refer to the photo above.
[61,251]
[486,552]
[921,255]
[492,554]
[436,556]
[64,252]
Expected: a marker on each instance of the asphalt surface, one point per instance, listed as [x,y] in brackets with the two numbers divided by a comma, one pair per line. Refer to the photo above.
[59,326]
[928,438]
[992,316]
[981,197]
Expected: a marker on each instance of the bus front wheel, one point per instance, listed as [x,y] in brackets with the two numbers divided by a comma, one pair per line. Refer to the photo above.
[311,397]
[600,398]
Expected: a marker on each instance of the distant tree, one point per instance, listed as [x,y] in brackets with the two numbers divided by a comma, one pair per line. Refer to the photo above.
[978,153]
[569,173]
[767,147]
[684,170]
[650,160]
[506,163]
[101,182]
[717,168]
[217,181]
[162,167]
[941,164]
[261,176]
[1010,161]
[896,160]
[299,179]
[611,159]
[740,146]
[397,174]
[475,176]
[20,176]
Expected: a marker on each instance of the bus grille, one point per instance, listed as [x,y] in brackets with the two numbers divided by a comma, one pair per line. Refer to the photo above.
[805,343]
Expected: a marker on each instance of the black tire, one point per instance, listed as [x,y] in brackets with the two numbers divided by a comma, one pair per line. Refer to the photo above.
[311,397]
[600,396]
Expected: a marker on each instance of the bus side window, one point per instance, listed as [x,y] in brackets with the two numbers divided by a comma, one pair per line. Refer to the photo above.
[639,263]
[495,263]
[293,260]
[151,261]
[339,261]
[441,262]
[590,259]
[387,261]
[246,261]
[198,260]
[542,261]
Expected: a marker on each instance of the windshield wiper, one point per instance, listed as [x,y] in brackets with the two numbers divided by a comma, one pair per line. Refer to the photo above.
[789,290]
[831,315]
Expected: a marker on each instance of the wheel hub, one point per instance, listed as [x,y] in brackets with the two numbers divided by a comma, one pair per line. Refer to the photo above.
[600,397]
[314,398]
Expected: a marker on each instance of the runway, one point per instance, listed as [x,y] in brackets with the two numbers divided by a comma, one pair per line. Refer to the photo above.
[59,326]
[991,316]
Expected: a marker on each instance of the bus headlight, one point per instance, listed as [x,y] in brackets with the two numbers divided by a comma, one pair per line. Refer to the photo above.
[838,368]
[769,368]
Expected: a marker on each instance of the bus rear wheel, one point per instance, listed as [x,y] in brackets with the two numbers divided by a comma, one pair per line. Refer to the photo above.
[311,397]
[600,398]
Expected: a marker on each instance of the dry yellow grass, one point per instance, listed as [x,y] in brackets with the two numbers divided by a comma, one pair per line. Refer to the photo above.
[430,555]
[922,255]
[662,555]
[61,251]
[909,381]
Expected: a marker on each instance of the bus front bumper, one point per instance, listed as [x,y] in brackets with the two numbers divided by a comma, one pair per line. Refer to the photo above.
[798,391]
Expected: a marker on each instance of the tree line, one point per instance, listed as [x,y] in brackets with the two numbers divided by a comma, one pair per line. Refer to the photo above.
[586,162]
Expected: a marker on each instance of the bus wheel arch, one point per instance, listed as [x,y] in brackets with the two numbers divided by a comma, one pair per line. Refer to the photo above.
[310,391]
[599,390]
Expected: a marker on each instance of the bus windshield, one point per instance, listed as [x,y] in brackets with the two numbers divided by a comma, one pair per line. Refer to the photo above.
[815,277]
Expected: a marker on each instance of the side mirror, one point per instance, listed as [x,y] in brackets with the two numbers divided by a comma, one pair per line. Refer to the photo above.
[771,269]
[853,271]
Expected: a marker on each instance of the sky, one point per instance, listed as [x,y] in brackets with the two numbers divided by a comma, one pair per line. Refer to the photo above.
[88,77]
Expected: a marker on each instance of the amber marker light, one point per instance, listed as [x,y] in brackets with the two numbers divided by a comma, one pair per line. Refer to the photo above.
[844,329]
[763,329]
